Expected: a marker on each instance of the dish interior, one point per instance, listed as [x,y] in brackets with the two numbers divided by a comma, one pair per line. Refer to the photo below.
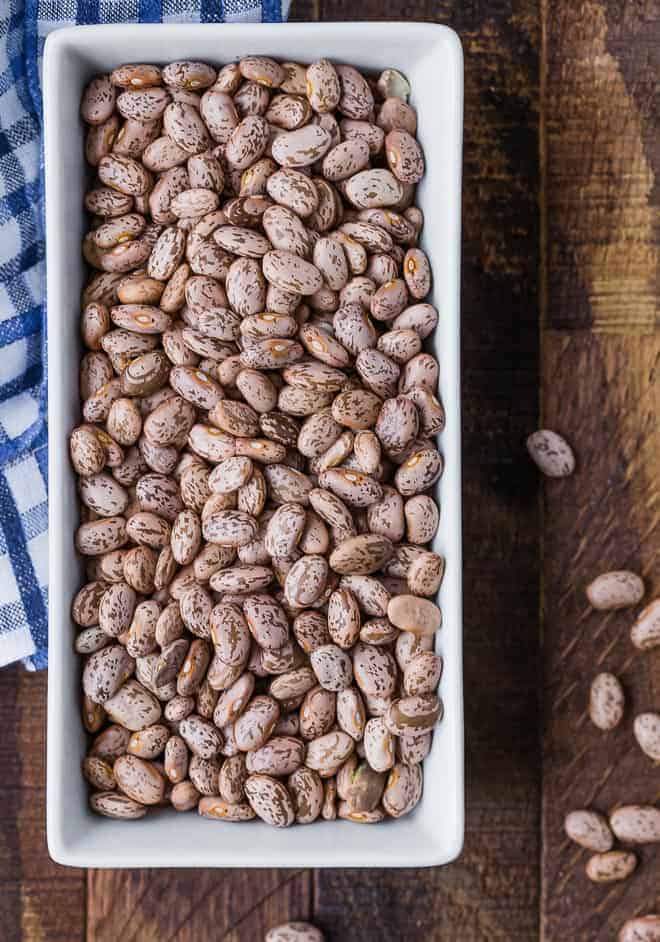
[430,56]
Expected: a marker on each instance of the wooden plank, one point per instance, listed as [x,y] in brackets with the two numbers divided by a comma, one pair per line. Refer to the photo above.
[39,900]
[492,891]
[305,10]
[603,160]
[186,905]
[604,517]
[600,355]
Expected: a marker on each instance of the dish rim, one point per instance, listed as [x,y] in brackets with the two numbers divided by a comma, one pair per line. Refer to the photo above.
[61,850]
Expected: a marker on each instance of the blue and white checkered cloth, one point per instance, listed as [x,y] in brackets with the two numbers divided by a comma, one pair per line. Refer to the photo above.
[23,416]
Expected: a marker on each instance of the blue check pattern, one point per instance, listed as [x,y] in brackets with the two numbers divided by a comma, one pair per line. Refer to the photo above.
[24,26]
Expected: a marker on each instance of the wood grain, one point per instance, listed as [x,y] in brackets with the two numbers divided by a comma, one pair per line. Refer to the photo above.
[600,358]
[602,161]
[491,892]
[39,900]
[193,905]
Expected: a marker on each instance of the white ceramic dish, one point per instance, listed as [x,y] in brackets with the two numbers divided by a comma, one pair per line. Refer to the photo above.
[431,57]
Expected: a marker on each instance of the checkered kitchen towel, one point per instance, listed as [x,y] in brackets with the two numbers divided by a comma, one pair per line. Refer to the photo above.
[24,25]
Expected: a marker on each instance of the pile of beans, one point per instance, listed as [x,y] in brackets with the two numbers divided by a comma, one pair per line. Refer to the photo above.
[258,445]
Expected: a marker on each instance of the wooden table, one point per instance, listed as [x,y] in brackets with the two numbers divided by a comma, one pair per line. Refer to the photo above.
[562,162]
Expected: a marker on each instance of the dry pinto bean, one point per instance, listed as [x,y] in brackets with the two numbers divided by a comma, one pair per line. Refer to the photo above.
[335,454]
[289,272]
[332,667]
[203,774]
[135,136]
[356,408]
[403,789]
[386,517]
[317,712]
[614,590]
[413,614]
[401,344]
[133,706]
[247,142]
[270,800]
[392,83]
[422,370]
[606,701]
[176,759]
[110,743]
[551,453]
[371,189]
[647,733]
[363,789]
[640,929]
[425,574]
[139,780]
[254,726]
[412,750]
[372,596]
[322,86]
[353,487]
[346,159]
[378,745]
[281,755]
[344,620]
[327,753]
[189,75]
[286,231]
[101,536]
[610,866]
[422,674]
[645,632]
[105,671]
[288,112]
[213,807]
[124,174]
[636,824]
[361,554]
[356,98]
[419,472]
[266,620]
[202,737]
[113,805]
[233,700]
[404,156]
[412,715]
[396,113]
[294,190]
[99,773]
[301,148]
[306,580]
[98,101]
[589,829]
[375,670]
[85,606]
[230,635]
[351,714]
[430,409]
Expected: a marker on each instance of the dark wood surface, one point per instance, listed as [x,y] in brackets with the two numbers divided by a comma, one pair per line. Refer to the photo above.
[569,222]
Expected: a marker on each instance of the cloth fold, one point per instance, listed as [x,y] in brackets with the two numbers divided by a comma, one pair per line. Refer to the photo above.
[24,26]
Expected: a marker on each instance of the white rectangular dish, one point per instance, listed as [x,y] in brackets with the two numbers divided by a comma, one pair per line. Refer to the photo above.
[431,57]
